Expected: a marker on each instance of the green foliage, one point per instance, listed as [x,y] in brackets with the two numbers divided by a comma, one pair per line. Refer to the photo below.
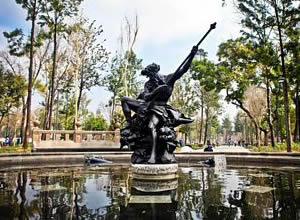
[185,95]
[90,57]
[236,71]
[238,122]
[205,73]
[15,40]
[12,89]
[19,149]
[93,54]
[123,73]
[54,13]
[195,146]
[95,123]
[117,120]
[279,147]
[227,125]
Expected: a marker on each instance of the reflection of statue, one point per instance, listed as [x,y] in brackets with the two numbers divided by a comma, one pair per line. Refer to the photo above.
[154,121]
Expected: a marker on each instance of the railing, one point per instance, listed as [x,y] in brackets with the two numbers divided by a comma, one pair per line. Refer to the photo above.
[74,138]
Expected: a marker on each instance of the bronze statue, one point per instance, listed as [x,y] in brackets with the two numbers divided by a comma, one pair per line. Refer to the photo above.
[154,121]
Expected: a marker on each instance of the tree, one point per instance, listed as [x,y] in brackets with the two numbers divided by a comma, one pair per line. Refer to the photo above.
[89,57]
[95,123]
[258,26]
[33,8]
[271,25]
[122,79]
[204,72]
[237,71]
[186,99]
[227,126]
[54,14]
[131,30]
[12,89]
[286,7]
[238,123]
[256,104]
[211,101]
[114,80]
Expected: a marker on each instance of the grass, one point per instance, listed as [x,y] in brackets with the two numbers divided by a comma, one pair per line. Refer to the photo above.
[14,149]
[279,147]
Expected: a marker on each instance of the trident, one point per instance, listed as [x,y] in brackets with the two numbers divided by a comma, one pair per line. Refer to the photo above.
[212,26]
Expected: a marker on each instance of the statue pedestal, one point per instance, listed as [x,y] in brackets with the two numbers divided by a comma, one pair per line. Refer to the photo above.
[154,171]
[153,192]
[154,177]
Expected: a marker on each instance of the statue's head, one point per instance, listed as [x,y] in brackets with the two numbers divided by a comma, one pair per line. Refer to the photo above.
[150,70]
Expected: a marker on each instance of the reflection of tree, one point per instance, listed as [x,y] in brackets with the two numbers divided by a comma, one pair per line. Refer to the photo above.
[282,202]
[288,196]
[21,189]
[252,205]
[110,183]
[200,195]
[13,201]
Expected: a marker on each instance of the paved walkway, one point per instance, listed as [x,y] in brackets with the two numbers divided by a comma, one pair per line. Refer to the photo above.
[224,148]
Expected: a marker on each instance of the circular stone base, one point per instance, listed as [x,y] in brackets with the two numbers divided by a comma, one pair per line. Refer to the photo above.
[154,186]
[154,171]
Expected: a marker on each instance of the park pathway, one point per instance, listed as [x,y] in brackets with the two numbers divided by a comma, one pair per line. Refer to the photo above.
[227,148]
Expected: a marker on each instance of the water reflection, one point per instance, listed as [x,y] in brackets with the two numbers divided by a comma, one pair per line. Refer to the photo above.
[104,192]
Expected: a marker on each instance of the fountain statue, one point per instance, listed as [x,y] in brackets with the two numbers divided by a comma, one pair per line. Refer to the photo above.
[150,131]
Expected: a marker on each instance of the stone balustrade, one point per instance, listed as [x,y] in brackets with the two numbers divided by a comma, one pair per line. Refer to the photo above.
[74,138]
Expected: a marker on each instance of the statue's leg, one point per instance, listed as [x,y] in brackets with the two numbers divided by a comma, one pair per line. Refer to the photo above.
[129,104]
[152,125]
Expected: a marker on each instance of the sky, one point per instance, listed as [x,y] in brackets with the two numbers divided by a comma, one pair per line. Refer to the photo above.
[167,30]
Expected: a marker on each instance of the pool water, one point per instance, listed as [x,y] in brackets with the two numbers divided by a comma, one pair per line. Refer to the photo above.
[108,192]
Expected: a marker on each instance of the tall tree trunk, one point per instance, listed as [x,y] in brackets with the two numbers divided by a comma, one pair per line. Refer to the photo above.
[206,127]
[67,115]
[47,104]
[256,125]
[201,121]
[266,138]
[269,114]
[257,136]
[1,119]
[277,131]
[52,93]
[297,125]
[113,107]
[80,92]
[285,87]
[30,74]
[46,115]
[23,120]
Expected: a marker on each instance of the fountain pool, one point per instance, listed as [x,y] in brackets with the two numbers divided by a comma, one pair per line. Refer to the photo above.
[109,192]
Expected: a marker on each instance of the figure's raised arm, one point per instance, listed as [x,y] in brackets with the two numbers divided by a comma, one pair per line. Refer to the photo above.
[184,67]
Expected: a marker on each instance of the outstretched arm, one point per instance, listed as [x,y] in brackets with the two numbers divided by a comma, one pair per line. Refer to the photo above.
[184,67]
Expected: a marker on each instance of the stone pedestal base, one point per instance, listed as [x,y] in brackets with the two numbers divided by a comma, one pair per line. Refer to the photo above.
[153,186]
[154,177]
[154,171]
